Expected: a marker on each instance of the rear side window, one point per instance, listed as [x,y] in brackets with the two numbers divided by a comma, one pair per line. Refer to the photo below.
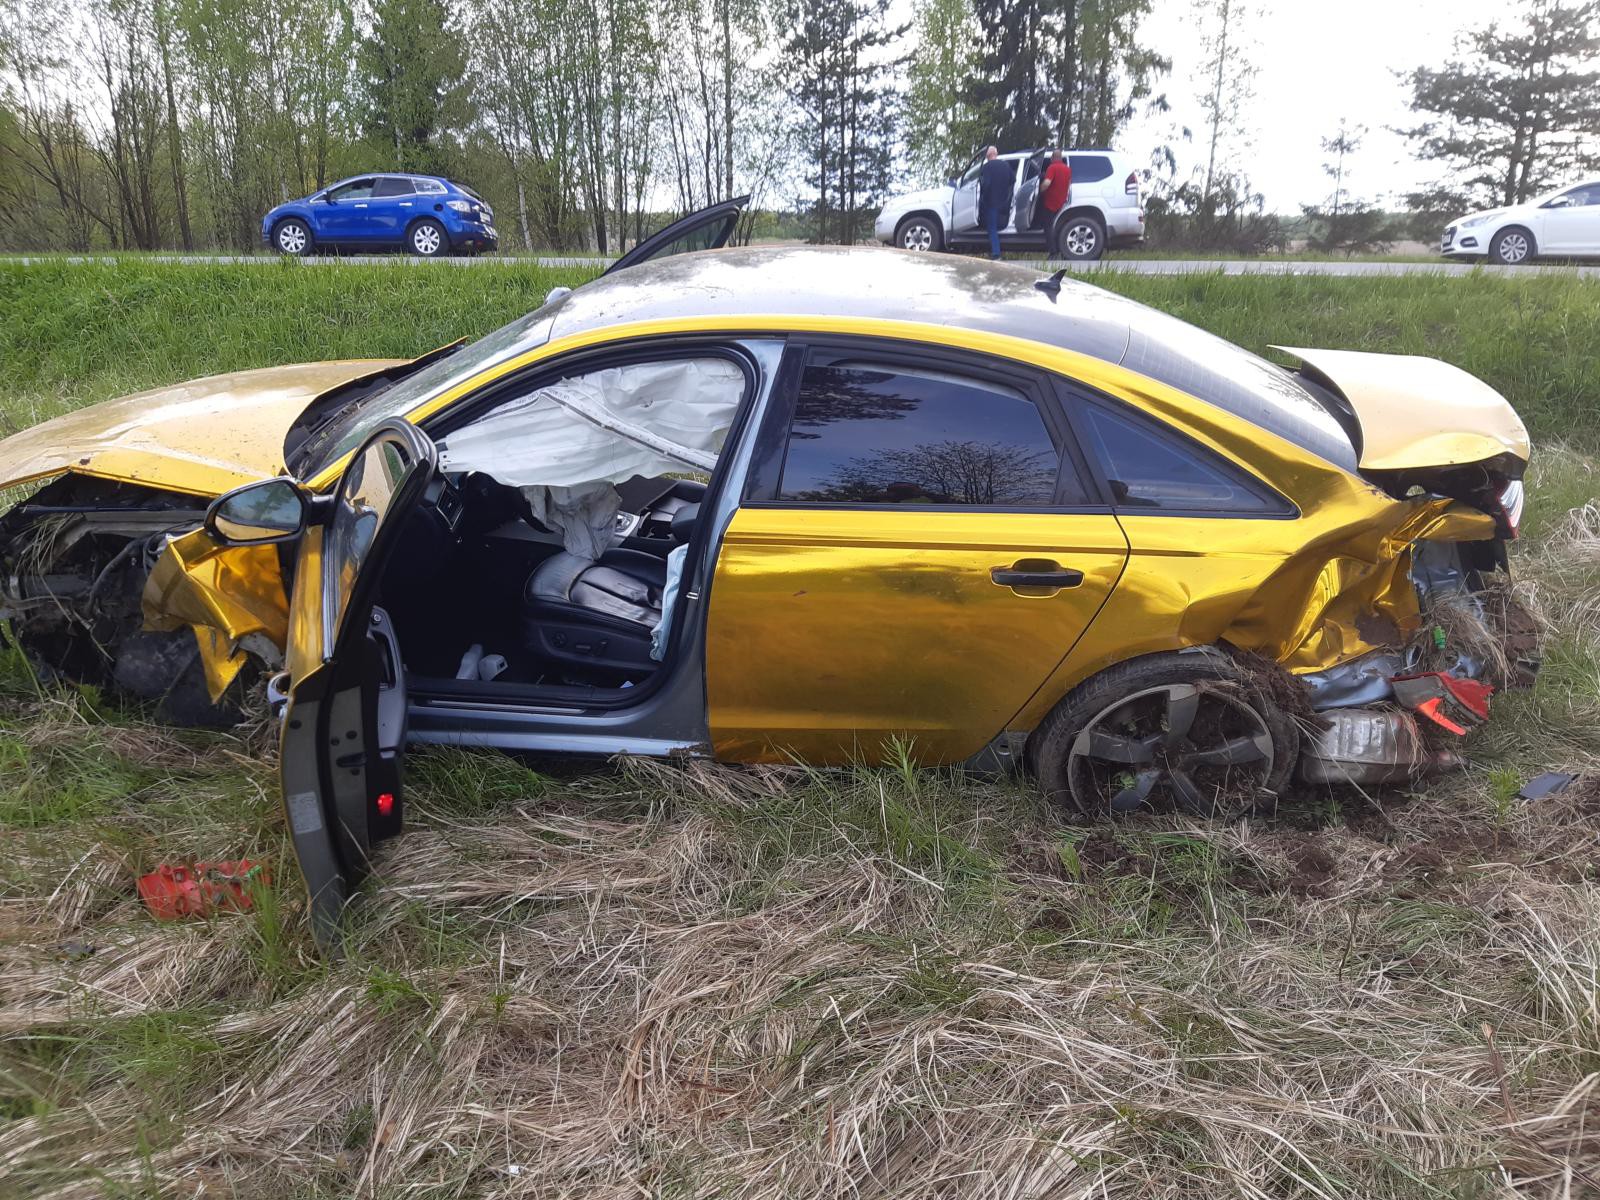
[429,187]
[391,186]
[1089,168]
[1161,471]
[879,433]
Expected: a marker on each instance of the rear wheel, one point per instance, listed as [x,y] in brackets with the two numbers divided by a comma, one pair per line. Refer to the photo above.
[427,239]
[1188,731]
[919,233]
[1081,238]
[292,237]
[1512,247]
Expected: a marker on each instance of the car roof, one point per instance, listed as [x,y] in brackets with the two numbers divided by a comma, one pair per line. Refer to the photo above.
[388,175]
[936,290]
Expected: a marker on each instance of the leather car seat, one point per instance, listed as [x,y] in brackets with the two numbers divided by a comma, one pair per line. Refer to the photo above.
[595,614]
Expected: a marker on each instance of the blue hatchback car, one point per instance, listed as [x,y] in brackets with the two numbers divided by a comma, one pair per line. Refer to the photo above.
[423,214]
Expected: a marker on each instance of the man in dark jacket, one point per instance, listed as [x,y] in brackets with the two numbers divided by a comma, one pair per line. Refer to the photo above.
[995,181]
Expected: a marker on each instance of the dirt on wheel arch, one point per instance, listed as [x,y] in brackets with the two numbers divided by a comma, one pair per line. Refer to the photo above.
[1280,688]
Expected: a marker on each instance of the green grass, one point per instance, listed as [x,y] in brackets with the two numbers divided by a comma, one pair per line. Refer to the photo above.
[681,980]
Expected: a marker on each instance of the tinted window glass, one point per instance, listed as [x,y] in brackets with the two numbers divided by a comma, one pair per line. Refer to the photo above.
[390,186]
[708,236]
[875,434]
[1149,470]
[1089,168]
[359,189]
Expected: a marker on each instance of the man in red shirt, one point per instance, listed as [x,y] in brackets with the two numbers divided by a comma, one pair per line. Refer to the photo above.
[1055,188]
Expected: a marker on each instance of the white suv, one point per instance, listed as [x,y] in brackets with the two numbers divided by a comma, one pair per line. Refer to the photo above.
[1565,222]
[1103,210]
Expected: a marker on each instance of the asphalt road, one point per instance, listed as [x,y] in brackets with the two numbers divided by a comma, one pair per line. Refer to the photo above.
[1135,266]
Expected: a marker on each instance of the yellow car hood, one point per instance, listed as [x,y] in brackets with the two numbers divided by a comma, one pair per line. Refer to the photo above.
[1417,413]
[203,437]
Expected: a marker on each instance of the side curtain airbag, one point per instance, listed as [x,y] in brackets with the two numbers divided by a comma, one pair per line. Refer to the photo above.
[563,444]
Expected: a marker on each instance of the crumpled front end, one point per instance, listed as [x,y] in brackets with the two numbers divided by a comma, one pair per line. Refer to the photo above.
[232,597]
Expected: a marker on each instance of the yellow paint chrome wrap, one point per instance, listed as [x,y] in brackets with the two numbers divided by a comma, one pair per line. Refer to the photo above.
[303,653]
[831,631]
[224,593]
[203,437]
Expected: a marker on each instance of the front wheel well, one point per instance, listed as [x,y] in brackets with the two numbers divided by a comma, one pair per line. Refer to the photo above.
[920,214]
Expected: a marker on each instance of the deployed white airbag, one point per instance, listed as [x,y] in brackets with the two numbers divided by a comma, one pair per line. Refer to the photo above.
[564,444]
[640,419]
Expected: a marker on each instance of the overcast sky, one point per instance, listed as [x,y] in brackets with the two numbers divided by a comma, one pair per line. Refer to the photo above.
[1318,60]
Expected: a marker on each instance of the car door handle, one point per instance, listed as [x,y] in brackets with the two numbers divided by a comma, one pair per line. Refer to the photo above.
[1036,573]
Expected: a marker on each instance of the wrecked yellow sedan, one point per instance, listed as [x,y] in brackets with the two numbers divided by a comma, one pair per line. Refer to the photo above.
[796,504]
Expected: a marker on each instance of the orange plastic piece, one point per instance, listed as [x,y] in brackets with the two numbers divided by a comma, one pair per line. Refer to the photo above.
[199,889]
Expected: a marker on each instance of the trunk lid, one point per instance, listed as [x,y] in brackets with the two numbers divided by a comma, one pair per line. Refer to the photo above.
[1420,415]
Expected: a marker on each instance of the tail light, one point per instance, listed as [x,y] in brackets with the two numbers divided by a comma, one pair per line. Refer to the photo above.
[1131,186]
[1512,497]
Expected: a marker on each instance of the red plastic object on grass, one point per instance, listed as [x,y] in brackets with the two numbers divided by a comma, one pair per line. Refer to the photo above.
[1449,701]
[200,889]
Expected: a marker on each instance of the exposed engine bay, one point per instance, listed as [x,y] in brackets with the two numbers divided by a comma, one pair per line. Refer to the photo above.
[460,592]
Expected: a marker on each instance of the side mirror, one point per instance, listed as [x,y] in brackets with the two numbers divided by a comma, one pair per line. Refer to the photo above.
[557,293]
[327,198]
[257,514]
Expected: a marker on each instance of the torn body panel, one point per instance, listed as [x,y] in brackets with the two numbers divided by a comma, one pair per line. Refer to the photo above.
[232,597]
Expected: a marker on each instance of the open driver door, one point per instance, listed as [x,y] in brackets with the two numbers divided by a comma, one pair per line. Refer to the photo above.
[344,724]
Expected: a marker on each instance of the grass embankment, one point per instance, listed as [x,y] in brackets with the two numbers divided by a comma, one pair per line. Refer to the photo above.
[692,982]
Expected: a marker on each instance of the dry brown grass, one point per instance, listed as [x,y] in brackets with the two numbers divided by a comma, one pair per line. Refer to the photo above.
[661,980]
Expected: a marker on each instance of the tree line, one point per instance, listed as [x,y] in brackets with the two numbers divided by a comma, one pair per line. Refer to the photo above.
[143,124]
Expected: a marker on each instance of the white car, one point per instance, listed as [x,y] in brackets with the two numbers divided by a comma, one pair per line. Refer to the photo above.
[1562,223]
[1104,209]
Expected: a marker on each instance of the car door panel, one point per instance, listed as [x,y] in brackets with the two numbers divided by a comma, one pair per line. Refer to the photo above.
[833,631]
[342,220]
[1573,227]
[344,721]
[343,214]
[964,205]
[388,210]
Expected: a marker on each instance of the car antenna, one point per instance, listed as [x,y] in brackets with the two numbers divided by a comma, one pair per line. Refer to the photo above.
[1051,287]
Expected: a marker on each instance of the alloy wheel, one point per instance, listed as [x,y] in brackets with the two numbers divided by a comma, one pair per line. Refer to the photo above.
[1513,247]
[917,236]
[1080,239]
[1195,746]
[292,238]
[426,239]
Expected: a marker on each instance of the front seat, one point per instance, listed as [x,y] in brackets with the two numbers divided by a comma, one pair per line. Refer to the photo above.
[595,613]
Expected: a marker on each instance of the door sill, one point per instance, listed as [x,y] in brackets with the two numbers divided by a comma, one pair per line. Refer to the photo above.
[526,697]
